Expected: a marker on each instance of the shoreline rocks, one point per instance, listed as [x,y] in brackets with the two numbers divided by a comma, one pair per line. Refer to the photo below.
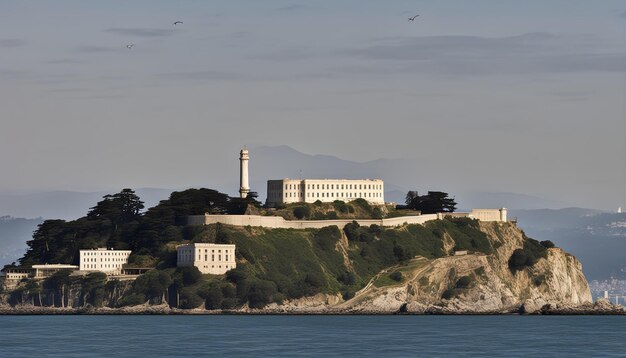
[599,308]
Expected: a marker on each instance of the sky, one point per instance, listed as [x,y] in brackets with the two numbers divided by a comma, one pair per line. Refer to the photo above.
[525,97]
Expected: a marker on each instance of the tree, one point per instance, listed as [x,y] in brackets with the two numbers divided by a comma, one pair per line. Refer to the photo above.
[433,202]
[410,197]
[518,259]
[301,212]
[119,208]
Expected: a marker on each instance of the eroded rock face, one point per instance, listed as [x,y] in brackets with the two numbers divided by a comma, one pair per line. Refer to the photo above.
[556,280]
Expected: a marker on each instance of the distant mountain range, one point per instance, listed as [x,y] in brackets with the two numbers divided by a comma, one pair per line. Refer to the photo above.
[14,233]
[597,239]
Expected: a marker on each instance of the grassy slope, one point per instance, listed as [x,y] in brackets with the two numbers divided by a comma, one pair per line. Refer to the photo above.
[305,262]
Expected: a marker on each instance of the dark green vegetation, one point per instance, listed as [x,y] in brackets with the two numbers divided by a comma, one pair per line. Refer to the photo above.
[117,222]
[533,250]
[273,265]
[58,289]
[461,285]
[433,202]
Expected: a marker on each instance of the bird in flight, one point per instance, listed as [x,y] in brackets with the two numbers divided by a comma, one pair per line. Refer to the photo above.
[413,18]
[130,46]
[177,22]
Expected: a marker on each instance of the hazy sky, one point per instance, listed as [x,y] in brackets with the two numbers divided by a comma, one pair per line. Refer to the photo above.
[521,96]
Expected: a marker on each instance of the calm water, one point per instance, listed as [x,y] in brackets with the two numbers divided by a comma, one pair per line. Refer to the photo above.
[253,336]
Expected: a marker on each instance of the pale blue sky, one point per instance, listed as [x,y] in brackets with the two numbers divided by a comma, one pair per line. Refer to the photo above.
[533,91]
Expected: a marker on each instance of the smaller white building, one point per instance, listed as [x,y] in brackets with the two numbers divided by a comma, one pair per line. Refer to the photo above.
[47,270]
[213,259]
[109,261]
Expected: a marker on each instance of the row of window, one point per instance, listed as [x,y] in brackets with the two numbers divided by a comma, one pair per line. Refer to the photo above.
[104,253]
[213,251]
[106,259]
[219,257]
[96,266]
[213,266]
[335,195]
[332,186]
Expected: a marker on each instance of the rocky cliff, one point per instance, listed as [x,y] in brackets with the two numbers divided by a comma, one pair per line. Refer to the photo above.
[472,283]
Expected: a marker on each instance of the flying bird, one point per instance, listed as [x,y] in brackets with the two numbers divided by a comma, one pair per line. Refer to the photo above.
[130,46]
[413,18]
[177,22]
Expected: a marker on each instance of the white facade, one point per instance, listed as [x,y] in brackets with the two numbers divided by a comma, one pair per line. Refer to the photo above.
[287,191]
[213,259]
[244,184]
[105,260]
[47,270]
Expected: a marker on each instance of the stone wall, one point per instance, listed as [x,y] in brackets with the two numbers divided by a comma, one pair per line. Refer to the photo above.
[279,222]
[276,222]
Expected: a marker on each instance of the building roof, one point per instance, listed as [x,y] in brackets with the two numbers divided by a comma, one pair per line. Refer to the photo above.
[54,266]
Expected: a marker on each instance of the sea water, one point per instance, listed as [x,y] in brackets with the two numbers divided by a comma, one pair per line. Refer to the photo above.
[312,336]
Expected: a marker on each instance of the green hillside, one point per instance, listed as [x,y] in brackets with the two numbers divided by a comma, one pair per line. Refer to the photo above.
[272,264]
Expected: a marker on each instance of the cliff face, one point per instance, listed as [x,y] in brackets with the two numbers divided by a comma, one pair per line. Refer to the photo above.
[434,286]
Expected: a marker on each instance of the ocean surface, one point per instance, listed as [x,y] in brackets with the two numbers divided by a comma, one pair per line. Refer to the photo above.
[312,336]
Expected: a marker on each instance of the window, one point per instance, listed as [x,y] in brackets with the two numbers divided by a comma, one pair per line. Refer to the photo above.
[212,257]
[219,257]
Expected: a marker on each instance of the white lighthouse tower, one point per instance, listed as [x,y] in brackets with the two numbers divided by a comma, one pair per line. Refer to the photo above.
[244,185]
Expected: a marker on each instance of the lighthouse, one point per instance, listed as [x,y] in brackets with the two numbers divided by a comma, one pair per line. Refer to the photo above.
[244,185]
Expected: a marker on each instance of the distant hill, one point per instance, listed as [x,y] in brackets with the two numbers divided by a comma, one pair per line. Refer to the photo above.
[14,232]
[597,239]
[277,162]
[400,175]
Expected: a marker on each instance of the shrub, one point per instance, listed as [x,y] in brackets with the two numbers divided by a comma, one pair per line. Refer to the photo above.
[317,203]
[547,244]
[314,280]
[229,303]
[189,298]
[352,231]
[423,281]
[448,294]
[518,259]
[347,278]
[237,275]
[301,212]
[212,295]
[190,275]
[377,213]
[152,284]
[539,280]
[340,206]
[348,295]
[332,215]
[463,282]
[396,276]
[132,300]
[527,256]
[327,237]
[261,293]
[363,204]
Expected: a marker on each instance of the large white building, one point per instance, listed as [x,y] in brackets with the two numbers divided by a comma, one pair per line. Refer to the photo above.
[287,191]
[214,259]
[105,260]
